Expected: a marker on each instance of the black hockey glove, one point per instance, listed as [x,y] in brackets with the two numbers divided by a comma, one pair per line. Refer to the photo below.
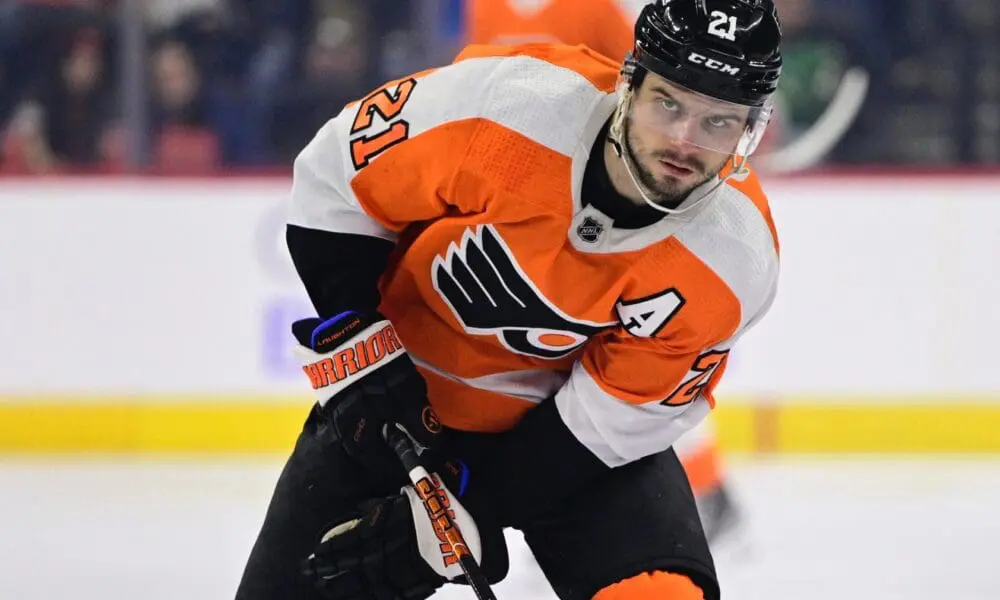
[365,382]
[388,549]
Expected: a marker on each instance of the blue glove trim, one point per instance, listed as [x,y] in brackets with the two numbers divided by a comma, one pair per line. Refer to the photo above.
[464,482]
[324,324]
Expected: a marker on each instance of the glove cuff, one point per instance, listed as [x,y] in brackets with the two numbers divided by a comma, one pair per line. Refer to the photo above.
[355,347]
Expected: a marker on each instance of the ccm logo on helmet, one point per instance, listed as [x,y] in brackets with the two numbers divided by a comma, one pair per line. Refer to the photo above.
[713,64]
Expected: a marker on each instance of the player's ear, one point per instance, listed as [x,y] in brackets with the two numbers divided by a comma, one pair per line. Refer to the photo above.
[630,75]
[624,77]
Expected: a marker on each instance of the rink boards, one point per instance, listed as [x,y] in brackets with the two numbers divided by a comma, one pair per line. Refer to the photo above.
[150,315]
[265,426]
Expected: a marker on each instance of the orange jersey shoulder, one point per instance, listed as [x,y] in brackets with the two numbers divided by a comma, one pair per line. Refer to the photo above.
[599,70]
[448,139]
[504,122]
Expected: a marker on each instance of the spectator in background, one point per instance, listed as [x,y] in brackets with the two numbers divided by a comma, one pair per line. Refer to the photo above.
[43,72]
[32,33]
[832,58]
[180,116]
[176,88]
[333,75]
[249,51]
[62,124]
[355,47]
[278,30]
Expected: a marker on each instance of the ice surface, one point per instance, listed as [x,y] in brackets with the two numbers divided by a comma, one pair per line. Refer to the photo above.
[819,529]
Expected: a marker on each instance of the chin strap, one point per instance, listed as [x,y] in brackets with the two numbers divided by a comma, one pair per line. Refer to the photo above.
[618,140]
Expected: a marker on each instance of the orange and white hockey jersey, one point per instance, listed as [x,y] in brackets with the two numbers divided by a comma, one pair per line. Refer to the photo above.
[506,289]
[602,25]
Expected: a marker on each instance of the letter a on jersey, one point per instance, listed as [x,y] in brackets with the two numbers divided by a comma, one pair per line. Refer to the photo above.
[490,294]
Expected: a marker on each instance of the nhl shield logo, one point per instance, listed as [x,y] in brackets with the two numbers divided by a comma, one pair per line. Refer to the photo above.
[590,230]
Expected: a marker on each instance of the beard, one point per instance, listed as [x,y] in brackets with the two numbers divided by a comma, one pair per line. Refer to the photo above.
[667,191]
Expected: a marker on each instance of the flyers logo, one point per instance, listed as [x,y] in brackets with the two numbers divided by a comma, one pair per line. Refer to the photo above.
[490,294]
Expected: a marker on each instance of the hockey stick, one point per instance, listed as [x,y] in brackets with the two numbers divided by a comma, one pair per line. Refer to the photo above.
[431,494]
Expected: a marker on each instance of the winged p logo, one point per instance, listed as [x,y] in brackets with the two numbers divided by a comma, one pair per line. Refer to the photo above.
[490,294]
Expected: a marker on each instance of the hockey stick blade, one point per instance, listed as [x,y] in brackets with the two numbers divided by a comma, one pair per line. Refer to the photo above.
[428,492]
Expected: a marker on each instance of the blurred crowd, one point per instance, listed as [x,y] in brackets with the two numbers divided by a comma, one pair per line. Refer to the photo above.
[220,83]
[202,85]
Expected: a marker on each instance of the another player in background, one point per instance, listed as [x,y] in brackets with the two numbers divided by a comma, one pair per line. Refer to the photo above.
[603,25]
[533,262]
[606,26]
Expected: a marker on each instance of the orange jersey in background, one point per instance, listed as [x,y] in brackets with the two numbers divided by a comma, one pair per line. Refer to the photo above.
[603,25]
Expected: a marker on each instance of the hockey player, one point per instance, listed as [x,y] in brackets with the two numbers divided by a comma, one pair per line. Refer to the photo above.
[534,262]
[606,26]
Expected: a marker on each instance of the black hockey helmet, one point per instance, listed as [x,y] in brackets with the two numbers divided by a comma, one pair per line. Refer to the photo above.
[725,49]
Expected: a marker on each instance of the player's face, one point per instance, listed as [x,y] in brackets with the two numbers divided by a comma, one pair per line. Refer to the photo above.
[679,139]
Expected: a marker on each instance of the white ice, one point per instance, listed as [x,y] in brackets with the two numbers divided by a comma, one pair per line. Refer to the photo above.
[818,530]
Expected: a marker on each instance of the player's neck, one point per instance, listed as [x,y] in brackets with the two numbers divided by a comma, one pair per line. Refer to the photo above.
[619,177]
[598,191]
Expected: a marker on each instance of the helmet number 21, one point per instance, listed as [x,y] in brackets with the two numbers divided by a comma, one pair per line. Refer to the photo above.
[722,26]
